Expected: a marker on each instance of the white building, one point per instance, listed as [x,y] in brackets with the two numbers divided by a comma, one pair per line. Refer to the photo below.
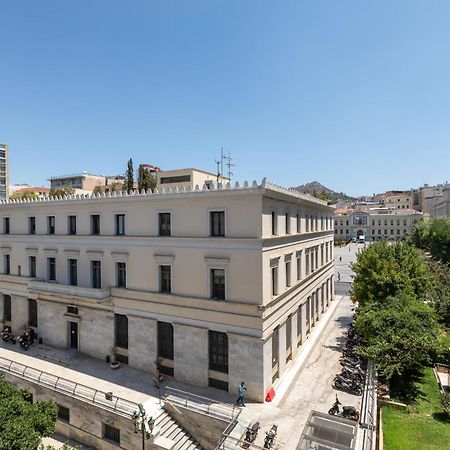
[220,284]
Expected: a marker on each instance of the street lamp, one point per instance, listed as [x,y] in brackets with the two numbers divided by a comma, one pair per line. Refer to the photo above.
[143,423]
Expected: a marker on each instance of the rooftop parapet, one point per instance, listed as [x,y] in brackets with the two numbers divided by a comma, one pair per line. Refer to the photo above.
[201,190]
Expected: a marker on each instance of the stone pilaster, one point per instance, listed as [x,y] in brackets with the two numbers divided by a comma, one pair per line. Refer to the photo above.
[19,314]
[246,363]
[191,354]
[142,343]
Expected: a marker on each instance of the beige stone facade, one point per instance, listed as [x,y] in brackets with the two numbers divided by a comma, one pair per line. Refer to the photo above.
[441,206]
[81,181]
[219,285]
[375,223]
[182,178]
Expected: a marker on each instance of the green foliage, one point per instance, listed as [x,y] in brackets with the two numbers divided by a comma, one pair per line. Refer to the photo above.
[321,195]
[398,337]
[129,177]
[146,180]
[384,269]
[22,424]
[439,295]
[433,236]
[23,195]
[97,190]
[446,404]
[65,191]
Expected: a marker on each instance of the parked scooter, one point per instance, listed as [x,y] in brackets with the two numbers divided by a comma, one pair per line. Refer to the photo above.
[271,436]
[7,336]
[348,412]
[347,385]
[26,339]
[251,434]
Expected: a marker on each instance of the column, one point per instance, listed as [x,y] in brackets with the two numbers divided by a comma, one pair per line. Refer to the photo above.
[19,314]
[246,363]
[191,354]
[142,343]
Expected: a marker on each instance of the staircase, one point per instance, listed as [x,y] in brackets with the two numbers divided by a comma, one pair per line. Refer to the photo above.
[171,430]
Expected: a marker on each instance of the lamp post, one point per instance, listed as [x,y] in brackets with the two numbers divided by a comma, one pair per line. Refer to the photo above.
[143,423]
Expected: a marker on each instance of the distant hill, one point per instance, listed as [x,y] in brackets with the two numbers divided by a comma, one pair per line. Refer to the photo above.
[319,190]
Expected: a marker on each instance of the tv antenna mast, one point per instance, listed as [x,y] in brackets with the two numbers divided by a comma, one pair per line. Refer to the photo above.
[224,159]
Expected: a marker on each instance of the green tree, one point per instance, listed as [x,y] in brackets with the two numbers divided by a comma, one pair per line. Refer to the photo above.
[65,191]
[400,337]
[439,295]
[129,177]
[22,424]
[146,180]
[23,195]
[433,236]
[384,269]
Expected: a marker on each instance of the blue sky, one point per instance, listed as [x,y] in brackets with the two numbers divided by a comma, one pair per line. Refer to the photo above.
[354,94]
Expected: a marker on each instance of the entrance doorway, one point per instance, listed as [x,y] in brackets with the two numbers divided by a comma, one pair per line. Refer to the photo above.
[73,335]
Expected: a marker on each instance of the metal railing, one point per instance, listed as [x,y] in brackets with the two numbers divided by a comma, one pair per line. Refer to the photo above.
[201,404]
[104,400]
[366,434]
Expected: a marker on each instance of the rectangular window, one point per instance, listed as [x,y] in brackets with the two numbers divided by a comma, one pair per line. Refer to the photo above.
[307,263]
[274,223]
[218,351]
[31,225]
[63,413]
[32,268]
[165,340]
[95,224]
[51,224]
[275,351]
[72,310]
[298,223]
[217,223]
[164,224]
[308,313]
[73,269]
[299,268]
[6,308]
[121,330]
[32,313]
[111,433]
[218,284]
[165,279]
[274,280]
[121,268]
[120,224]
[96,274]
[299,324]
[5,225]
[288,273]
[7,264]
[289,338]
[287,219]
[51,269]
[72,224]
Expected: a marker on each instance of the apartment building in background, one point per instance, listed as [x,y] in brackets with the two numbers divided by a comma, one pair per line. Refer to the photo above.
[441,204]
[4,172]
[81,182]
[218,284]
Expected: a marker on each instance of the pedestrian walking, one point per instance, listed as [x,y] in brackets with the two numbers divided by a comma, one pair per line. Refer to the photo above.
[241,390]
[339,276]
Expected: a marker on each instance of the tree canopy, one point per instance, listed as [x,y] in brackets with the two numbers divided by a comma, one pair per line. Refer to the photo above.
[433,236]
[23,424]
[129,177]
[400,337]
[146,180]
[23,195]
[62,192]
[384,269]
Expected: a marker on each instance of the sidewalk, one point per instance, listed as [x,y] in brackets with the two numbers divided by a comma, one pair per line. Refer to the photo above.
[312,375]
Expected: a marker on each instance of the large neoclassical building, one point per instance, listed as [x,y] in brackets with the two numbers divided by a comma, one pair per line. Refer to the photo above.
[219,284]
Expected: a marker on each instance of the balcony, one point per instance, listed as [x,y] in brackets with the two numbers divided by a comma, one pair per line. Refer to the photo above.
[98,295]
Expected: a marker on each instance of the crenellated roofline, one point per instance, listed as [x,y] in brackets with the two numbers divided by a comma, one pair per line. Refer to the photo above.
[267,187]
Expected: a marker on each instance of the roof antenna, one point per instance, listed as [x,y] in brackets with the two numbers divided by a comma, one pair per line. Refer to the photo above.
[229,165]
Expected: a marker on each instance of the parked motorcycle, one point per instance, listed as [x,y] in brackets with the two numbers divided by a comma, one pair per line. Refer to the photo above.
[7,336]
[347,385]
[251,434]
[271,436]
[348,412]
